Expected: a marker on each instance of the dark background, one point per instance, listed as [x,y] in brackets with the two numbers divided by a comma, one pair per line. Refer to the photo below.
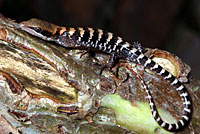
[173,25]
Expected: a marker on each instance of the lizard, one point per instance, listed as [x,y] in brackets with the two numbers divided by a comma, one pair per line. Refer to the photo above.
[106,42]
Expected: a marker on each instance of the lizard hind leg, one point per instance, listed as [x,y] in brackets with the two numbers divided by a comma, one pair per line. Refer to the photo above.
[138,46]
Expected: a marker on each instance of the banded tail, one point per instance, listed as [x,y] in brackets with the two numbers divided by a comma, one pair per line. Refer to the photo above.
[183,93]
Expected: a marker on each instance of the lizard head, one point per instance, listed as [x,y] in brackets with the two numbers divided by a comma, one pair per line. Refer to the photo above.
[40,28]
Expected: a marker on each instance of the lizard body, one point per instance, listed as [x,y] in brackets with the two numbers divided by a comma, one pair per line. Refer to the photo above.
[107,42]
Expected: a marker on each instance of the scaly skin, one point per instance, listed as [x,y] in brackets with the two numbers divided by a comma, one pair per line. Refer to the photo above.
[107,42]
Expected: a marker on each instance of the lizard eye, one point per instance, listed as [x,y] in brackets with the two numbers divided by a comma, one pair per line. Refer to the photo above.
[37,29]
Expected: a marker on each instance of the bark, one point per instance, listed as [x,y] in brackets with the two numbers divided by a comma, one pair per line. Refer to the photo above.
[59,90]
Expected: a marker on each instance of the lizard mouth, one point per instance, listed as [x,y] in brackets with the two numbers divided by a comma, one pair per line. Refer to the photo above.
[45,35]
